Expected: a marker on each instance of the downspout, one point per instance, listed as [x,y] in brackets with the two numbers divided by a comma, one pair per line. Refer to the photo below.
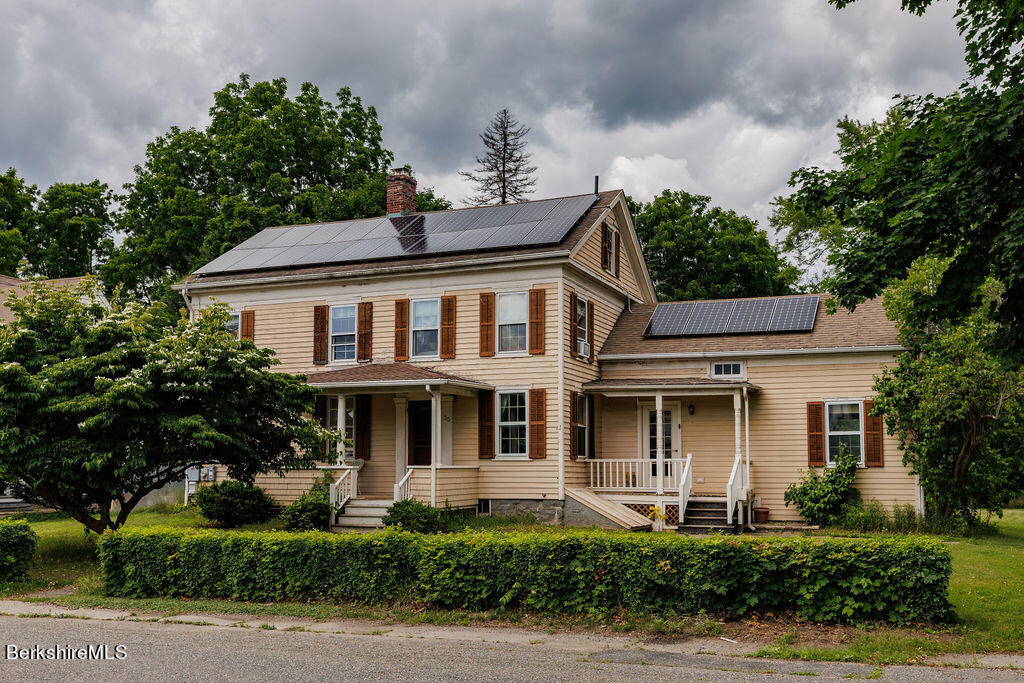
[561,387]
[188,300]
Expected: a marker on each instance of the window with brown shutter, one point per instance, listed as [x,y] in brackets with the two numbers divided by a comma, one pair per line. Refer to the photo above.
[364,329]
[485,423]
[447,327]
[573,336]
[618,249]
[487,329]
[402,329]
[248,325]
[606,247]
[574,399]
[538,424]
[590,331]
[873,435]
[816,433]
[537,312]
[320,335]
[363,426]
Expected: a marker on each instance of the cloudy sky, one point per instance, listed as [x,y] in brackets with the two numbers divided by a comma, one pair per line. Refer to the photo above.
[723,97]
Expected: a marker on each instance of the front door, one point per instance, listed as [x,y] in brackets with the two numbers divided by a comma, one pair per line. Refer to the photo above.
[671,419]
[419,432]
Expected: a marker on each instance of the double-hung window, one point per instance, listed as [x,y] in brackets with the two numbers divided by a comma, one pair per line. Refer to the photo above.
[341,414]
[844,422]
[343,332]
[512,320]
[582,328]
[426,327]
[512,425]
[234,325]
[582,425]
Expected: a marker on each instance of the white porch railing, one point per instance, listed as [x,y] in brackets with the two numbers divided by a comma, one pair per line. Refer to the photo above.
[685,487]
[403,489]
[635,474]
[344,487]
[735,491]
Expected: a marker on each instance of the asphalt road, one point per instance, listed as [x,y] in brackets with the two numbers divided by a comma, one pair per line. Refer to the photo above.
[185,652]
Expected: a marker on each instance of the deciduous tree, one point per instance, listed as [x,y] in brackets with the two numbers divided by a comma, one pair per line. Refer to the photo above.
[70,233]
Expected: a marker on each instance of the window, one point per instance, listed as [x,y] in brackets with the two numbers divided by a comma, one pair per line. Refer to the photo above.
[426,327]
[234,325]
[512,319]
[727,370]
[652,433]
[512,424]
[582,326]
[343,333]
[345,449]
[843,422]
[582,415]
[608,250]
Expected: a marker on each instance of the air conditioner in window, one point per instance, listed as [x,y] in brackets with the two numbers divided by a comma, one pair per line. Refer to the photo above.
[583,348]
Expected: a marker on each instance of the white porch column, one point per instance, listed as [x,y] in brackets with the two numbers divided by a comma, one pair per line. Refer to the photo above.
[737,422]
[339,445]
[435,440]
[401,435]
[447,417]
[746,424]
[659,440]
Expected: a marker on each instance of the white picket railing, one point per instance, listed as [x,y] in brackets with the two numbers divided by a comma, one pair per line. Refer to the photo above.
[685,487]
[634,474]
[403,489]
[734,490]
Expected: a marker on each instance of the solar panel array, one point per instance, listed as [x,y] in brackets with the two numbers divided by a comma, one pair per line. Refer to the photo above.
[490,227]
[733,316]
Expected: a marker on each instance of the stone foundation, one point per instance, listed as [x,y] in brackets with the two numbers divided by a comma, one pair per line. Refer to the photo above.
[578,514]
[546,511]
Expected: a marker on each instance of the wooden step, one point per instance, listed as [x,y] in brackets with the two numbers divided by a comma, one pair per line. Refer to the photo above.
[615,512]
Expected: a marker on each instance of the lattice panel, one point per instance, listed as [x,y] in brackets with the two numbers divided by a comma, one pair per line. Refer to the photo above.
[671,512]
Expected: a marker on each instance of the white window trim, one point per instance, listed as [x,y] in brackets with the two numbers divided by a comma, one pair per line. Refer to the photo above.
[497,423]
[612,232]
[829,461]
[730,361]
[525,351]
[585,302]
[238,332]
[587,455]
[330,336]
[413,329]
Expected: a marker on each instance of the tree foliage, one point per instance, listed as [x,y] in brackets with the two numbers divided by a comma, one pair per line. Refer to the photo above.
[503,174]
[17,199]
[944,183]
[955,405]
[695,251]
[99,406]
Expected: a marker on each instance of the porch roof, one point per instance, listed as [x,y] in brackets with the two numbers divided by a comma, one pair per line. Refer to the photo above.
[377,375]
[650,385]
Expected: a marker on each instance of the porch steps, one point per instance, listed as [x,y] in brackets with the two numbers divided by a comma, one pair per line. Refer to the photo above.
[610,510]
[361,513]
[706,515]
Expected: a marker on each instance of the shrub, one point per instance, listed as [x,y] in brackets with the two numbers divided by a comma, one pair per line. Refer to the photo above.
[820,498]
[903,519]
[312,510]
[17,546]
[412,515]
[232,503]
[856,580]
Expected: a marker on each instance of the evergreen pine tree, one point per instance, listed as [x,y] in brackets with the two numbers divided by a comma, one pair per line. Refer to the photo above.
[503,174]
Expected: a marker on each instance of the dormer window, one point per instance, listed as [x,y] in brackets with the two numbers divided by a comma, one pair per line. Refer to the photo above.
[728,370]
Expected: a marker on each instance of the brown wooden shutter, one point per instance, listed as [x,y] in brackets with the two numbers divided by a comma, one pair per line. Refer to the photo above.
[538,424]
[447,327]
[364,331]
[606,247]
[590,331]
[485,423]
[573,332]
[364,422]
[591,428]
[487,326]
[618,251]
[401,329]
[816,433]
[873,435]
[320,335]
[248,325]
[537,312]
[574,405]
[320,415]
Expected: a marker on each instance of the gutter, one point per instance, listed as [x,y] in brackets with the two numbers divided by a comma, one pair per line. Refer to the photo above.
[400,383]
[894,348]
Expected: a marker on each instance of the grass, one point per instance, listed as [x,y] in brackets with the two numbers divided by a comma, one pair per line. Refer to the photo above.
[987,589]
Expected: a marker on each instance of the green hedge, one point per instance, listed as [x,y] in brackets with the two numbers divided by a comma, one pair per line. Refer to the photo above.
[17,546]
[891,579]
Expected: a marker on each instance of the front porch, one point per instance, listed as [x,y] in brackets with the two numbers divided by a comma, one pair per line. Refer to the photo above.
[678,446]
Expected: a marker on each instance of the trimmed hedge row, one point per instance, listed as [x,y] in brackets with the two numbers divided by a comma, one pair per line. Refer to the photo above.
[891,579]
[17,546]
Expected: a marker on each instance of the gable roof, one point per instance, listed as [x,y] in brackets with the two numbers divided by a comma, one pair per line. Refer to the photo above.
[866,327]
[592,213]
[10,284]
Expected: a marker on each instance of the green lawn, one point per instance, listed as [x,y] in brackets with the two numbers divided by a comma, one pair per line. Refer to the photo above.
[987,589]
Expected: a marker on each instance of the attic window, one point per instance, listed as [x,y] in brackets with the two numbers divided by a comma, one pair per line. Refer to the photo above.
[609,249]
[727,370]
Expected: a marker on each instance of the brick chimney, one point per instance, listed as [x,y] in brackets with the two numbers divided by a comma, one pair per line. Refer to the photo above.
[401,192]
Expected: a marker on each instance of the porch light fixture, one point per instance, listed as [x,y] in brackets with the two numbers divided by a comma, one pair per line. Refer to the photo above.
[691,409]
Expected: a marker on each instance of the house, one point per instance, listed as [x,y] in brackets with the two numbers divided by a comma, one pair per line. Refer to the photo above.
[515,359]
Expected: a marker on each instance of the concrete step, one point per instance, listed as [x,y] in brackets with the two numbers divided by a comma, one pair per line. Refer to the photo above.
[358,520]
[699,529]
[366,510]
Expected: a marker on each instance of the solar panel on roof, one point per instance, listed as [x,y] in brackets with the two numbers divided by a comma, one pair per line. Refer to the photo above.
[668,319]
[750,315]
[709,317]
[733,316]
[794,314]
